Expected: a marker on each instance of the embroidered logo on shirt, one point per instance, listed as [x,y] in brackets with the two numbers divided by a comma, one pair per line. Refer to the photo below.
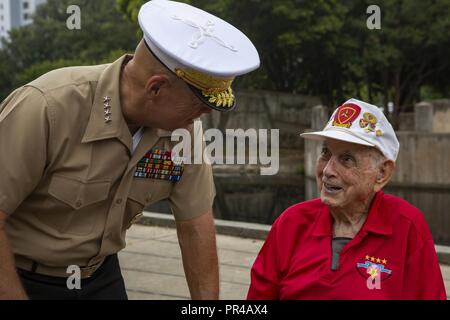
[374,267]
[159,164]
[346,114]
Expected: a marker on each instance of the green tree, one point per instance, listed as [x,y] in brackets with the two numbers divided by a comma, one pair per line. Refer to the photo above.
[47,43]
[299,41]
[410,51]
[324,48]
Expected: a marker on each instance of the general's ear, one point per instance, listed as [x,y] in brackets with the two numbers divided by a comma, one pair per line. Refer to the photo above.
[385,173]
[154,85]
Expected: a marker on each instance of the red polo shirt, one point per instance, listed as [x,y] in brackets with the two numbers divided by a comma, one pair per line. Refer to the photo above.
[394,243]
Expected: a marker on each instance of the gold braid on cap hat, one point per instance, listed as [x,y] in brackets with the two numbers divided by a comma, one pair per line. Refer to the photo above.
[217,90]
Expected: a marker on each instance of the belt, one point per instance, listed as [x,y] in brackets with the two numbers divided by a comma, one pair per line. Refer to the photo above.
[34,267]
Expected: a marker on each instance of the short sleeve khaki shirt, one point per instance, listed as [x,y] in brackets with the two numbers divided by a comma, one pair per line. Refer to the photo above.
[67,175]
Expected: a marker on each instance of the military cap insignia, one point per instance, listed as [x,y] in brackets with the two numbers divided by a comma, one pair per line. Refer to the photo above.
[159,164]
[346,114]
[369,123]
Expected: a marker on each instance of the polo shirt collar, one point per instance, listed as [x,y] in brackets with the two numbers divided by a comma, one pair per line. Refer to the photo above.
[108,88]
[378,220]
[323,223]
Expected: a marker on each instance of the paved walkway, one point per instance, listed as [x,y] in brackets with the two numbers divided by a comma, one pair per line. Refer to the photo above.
[152,267]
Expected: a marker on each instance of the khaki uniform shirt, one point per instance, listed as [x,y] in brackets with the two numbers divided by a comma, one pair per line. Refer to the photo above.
[67,176]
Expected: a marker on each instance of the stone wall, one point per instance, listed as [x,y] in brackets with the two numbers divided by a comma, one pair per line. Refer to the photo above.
[243,195]
[423,160]
[432,116]
[268,110]
[441,116]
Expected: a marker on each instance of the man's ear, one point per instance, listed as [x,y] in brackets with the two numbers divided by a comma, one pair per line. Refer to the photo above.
[154,85]
[385,173]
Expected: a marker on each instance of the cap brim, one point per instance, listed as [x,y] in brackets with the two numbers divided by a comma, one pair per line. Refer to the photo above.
[337,135]
[205,100]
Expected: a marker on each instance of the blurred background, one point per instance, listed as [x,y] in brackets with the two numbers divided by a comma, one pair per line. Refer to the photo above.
[315,55]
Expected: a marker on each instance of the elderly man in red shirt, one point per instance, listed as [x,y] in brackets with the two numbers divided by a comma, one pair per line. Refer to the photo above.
[355,242]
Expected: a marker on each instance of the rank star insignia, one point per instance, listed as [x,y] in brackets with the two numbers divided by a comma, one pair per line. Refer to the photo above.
[107,109]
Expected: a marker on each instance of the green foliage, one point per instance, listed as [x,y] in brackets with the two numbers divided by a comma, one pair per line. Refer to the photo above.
[324,48]
[48,43]
[316,47]
[130,8]
[36,70]
[411,50]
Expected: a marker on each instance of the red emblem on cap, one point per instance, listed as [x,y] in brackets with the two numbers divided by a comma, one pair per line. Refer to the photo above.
[346,114]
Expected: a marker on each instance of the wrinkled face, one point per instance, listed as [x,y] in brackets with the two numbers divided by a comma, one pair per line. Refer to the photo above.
[346,174]
[175,107]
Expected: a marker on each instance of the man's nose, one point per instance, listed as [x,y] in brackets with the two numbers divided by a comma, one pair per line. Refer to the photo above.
[330,168]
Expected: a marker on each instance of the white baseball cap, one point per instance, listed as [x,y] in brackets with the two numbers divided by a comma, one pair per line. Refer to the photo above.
[205,51]
[359,122]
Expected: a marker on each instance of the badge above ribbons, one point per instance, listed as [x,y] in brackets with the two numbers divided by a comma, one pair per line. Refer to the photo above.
[159,164]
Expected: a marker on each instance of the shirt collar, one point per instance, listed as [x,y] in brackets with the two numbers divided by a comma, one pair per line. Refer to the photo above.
[323,223]
[378,220]
[108,88]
